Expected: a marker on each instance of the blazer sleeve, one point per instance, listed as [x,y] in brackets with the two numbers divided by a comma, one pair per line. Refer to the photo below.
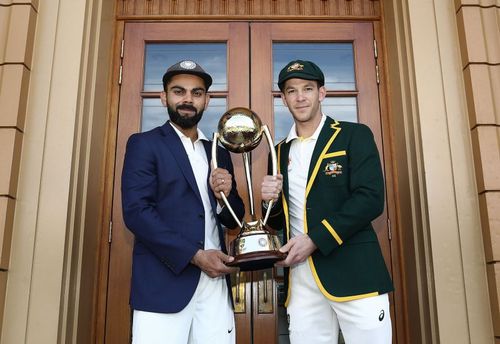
[366,195]
[139,187]
[234,199]
[276,218]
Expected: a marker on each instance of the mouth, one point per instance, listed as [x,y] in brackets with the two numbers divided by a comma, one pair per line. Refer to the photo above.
[186,110]
[301,108]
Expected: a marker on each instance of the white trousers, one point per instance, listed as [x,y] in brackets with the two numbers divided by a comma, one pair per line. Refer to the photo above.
[314,319]
[208,318]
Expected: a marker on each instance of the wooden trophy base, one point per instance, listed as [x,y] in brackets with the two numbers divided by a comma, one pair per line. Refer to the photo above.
[257,260]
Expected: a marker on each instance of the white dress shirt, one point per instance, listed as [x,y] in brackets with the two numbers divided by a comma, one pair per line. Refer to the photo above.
[299,160]
[199,164]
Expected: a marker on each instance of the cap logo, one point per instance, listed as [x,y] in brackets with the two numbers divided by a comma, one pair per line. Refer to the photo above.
[296,66]
[188,65]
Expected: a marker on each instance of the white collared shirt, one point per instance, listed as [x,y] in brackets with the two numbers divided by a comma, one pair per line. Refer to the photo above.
[199,164]
[299,159]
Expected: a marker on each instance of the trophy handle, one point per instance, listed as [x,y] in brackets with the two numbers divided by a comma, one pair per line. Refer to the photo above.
[214,163]
[274,161]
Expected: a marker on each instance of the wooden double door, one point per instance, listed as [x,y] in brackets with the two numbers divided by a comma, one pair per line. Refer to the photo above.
[244,59]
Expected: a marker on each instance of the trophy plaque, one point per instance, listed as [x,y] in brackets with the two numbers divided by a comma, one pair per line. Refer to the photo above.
[240,130]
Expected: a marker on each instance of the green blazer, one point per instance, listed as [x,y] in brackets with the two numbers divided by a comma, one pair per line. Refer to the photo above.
[344,193]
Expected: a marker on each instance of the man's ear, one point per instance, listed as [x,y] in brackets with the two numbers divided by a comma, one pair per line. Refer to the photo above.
[163,98]
[322,93]
[283,99]
[207,100]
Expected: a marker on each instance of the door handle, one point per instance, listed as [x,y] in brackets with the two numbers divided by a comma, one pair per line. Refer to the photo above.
[238,284]
[265,286]
[265,292]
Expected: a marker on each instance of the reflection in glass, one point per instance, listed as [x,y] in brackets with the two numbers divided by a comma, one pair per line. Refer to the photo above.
[154,115]
[159,56]
[336,60]
[339,108]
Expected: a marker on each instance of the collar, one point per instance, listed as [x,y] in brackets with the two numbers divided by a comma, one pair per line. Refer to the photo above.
[293,132]
[181,135]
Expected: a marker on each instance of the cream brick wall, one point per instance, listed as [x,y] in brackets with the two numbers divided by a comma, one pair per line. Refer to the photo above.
[17,29]
[478,27]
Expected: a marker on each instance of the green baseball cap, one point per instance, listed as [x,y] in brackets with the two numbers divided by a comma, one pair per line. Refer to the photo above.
[301,69]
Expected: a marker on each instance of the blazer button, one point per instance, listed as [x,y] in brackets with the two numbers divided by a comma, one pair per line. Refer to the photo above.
[201,215]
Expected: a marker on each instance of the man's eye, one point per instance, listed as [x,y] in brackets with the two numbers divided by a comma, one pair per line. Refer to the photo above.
[178,92]
[290,91]
[198,93]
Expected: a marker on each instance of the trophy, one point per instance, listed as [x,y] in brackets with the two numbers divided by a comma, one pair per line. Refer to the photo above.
[240,130]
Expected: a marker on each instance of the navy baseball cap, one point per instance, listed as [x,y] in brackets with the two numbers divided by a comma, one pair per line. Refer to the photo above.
[187,67]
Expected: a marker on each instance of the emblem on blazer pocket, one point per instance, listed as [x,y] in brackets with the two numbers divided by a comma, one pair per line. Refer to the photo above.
[333,169]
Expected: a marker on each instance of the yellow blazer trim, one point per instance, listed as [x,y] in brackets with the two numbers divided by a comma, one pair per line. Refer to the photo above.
[322,156]
[316,277]
[330,228]
[283,199]
[333,297]
[324,291]
[332,231]
[287,220]
[308,188]
[334,154]
[278,158]
[287,223]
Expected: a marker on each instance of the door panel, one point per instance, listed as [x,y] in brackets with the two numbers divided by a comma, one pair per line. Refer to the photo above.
[139,106]
[244,59]
[364,95]
[355,98]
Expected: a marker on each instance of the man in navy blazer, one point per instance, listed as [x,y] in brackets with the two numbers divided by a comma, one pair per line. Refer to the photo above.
[180,289]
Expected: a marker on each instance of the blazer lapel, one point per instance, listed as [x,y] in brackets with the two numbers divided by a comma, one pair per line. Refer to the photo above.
[208,149]
[329,132]
[174,144]
[283,158]
[283,152]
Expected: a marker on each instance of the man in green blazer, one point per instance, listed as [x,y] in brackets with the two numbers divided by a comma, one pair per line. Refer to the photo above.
[332,188]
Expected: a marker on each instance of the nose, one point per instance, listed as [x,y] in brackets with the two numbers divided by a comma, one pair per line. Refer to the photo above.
[188,98]
[300,96]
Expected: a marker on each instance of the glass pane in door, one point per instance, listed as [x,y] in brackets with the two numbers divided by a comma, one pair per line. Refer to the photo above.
[159,56]
[154,115]
[336,60]
[339,108]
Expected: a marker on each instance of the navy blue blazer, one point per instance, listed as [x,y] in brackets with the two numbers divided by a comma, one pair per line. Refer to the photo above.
[162,206]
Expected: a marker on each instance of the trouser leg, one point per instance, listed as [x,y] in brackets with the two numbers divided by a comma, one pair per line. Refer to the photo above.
[213,318]
[161,328]
[315,319]
[208,318]
[311,319]
[365,321]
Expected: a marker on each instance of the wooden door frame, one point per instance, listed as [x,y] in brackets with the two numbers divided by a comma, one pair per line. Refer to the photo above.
[372,108]
[401,299]
[135,32]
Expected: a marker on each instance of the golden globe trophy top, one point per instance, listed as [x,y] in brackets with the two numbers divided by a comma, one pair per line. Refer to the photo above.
[240,130]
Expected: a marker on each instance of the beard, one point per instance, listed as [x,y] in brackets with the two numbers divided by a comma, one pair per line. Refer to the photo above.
[184,122]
